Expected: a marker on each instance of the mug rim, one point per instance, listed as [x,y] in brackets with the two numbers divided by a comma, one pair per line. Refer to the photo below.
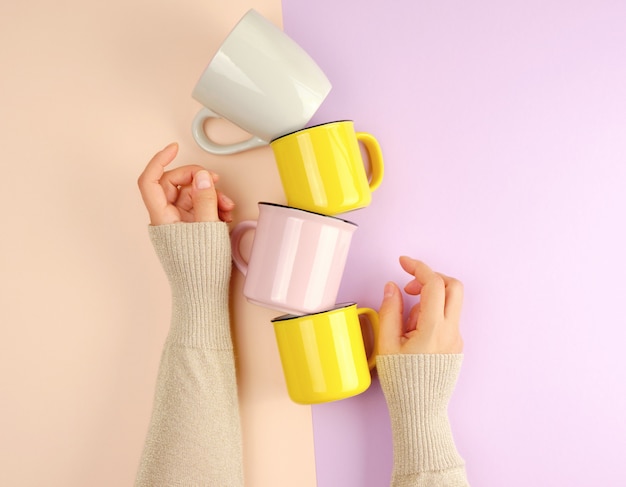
[268,203]
[311,127]
[337,306]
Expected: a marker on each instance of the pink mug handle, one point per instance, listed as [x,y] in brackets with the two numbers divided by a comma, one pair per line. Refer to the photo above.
[235,241]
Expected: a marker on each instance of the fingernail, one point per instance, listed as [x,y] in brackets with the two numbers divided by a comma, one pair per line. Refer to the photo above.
[203,180]
[390,290]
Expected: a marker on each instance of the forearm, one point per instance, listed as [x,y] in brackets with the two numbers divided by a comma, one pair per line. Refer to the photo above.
[194,436]
[417,389]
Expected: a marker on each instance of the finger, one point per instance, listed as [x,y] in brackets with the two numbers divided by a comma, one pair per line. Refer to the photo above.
[204,197]
[184,203]
[411,322]
[432,292]
[224,202]
[454,298]
[390,315]
[225,216]
[225,206]
[454,288]
[148,182]
[416,268]
[414,287]
[173,180]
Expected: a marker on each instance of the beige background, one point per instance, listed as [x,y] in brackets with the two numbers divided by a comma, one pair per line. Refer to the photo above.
[88,92]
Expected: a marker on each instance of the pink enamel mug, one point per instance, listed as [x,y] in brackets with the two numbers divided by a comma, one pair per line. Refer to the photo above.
[297,258]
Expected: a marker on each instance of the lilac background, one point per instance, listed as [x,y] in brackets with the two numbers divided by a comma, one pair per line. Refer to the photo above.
[503,126]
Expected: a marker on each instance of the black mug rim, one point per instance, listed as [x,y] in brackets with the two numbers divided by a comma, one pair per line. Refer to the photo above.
[268,203]
[311,127]
[290,316]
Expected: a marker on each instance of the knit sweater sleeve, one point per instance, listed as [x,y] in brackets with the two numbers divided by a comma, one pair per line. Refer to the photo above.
[194,436]
[417,389]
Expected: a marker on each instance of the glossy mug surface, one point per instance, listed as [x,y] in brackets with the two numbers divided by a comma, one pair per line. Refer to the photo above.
[260,80]
[323,355]
[321,168]
[297,259]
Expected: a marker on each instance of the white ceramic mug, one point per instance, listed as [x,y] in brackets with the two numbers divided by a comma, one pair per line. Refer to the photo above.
[260,80]
[297,259]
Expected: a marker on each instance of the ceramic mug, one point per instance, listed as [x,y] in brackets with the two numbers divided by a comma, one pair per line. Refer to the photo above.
[260,80]
[297,259]
[323,354]
[322,170]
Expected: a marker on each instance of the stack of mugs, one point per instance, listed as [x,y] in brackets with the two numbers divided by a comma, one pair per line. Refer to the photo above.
[265,83]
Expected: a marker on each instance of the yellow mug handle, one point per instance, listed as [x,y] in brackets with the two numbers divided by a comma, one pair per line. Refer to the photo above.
[375,156]
[372,315]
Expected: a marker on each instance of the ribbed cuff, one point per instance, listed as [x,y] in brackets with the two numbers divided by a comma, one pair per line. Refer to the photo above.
[417,389]
[196,258]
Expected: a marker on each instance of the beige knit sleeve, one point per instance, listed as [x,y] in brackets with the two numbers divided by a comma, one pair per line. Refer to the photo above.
[194,436]
[417,389]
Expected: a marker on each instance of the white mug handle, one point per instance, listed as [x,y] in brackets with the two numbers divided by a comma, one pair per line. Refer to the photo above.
[235,242]
[197,129]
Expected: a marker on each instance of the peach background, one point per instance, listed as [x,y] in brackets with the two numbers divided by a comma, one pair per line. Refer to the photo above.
[88,92]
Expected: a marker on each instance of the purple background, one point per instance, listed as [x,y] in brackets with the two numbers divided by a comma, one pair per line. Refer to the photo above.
[503,126]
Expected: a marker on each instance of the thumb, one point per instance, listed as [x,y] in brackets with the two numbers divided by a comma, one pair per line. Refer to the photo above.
[204,198]
[390,315]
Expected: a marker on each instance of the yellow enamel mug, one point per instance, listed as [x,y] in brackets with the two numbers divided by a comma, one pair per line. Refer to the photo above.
[322,170]
[323,354]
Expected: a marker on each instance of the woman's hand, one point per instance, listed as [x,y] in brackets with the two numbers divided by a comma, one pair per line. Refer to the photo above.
[184,194]
[433,323]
